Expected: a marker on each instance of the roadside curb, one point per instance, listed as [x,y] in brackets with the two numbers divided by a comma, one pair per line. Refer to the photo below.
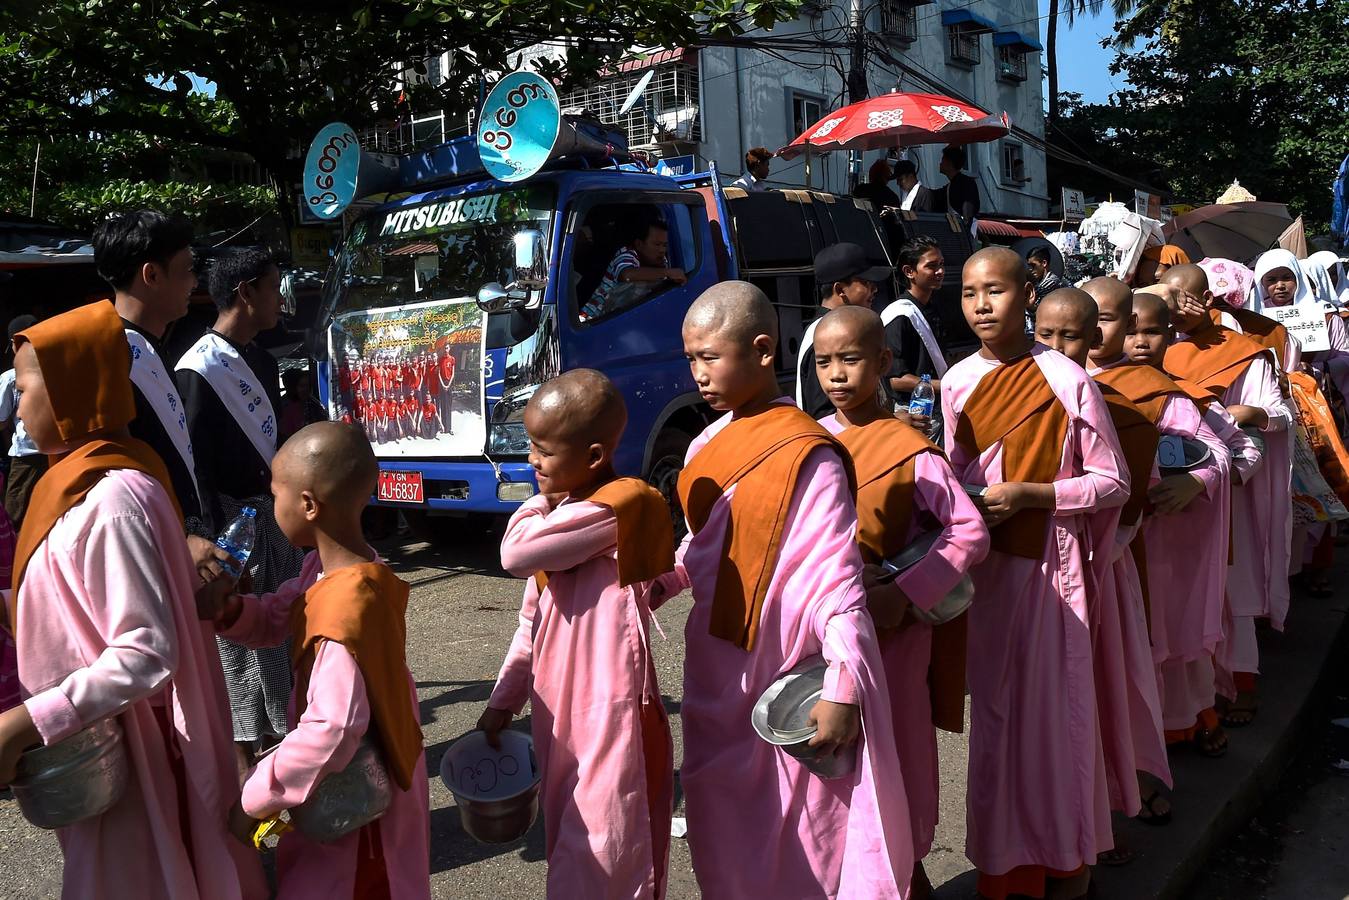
[1214,798]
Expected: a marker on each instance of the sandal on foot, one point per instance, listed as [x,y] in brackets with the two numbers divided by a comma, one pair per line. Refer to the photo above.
[1240,712]
[1116,857]
[1148,815]
[1211,743]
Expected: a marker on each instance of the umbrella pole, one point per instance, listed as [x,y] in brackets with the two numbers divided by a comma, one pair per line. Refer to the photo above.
[807,166]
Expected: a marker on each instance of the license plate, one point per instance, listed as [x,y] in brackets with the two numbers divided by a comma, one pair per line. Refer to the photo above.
[401,487]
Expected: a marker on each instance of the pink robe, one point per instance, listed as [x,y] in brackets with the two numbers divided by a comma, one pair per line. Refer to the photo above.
[321,741]
[1262,516]
[582,657]
[107,626]
[761,824]
[1037,788]
[907,653]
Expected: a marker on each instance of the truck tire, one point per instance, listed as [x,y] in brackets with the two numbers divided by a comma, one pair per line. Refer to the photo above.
[667,461]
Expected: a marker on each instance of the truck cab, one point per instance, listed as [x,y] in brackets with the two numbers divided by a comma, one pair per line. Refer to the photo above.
[462,299]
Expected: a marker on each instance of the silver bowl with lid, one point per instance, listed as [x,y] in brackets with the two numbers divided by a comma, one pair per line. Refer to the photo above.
[75,779]
[781,716]
[956,601]
[347,800]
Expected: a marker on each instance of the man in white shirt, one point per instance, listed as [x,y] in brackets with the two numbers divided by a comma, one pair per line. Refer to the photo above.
[756,170]
[26,464]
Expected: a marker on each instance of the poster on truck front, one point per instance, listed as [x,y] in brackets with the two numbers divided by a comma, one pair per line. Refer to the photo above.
[412,377]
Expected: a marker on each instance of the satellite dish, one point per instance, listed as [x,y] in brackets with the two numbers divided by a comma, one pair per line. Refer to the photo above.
[636,94]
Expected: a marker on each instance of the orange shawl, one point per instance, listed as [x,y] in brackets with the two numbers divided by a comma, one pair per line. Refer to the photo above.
[1138,437]
[1014,404]
[86,367]
[883,452]
[1213,358]
[1145,387]
[1261,329]
[363,608]
[645,531]
[762,456]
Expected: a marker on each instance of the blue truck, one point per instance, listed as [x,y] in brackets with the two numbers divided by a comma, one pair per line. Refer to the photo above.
[452,273]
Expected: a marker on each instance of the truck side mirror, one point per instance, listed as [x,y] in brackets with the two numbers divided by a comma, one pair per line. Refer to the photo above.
[492,297]
[531,258]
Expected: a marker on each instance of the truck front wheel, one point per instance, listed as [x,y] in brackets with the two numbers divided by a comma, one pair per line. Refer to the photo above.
[667,461]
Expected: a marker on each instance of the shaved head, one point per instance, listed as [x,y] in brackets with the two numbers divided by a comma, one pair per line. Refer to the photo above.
[1006,259]
[1188,277]
[1152,306]
[1077,304]
[852,324]
[736,310]
[331,460]
[1109,292]
[580,405]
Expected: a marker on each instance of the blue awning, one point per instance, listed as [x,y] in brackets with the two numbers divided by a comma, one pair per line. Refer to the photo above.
[1016,40]
[967,21]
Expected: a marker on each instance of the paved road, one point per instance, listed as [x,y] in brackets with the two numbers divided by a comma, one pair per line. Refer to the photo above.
[462,614]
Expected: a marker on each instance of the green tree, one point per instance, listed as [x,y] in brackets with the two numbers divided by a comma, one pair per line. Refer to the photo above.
[1254,90]
[97,70]
[1071,9]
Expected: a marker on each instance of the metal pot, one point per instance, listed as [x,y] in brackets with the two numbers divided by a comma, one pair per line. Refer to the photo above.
[1195,454]
[75,779]
[497,791]
[956,601]
[346,800]
[782,718]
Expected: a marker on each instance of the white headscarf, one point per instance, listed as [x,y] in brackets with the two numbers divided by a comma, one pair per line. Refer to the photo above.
[1279,259]
[1319,281]
[1339,275]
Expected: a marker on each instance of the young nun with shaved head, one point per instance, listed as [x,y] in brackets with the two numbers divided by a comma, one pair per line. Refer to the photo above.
[1128,706]
[1241,373]
[345,618]
[1181,548]
[772,559]
[1028,430]
[590,544]
[905,488]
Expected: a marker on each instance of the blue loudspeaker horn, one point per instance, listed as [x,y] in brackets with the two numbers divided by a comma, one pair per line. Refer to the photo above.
[521,128]
[337,171]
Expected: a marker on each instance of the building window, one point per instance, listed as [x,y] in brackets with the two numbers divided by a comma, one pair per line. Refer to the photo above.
[899,21]
[805,109]
[962,46]
[1011,64]
[667,110]
[1013,164]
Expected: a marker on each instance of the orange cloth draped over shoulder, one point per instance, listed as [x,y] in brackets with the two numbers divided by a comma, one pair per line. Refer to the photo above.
[883,453]
[1014,404]
[1213,358]
[645,531]
[1146,387]
[86,367]
[1261,329]
[761,455]
[364,608]
[1138,437]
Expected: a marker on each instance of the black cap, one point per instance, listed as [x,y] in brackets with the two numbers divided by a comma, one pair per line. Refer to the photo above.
[844,262]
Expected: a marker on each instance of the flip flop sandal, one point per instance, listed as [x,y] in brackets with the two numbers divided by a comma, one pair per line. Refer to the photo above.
[1116,857]
[1153,817]
[1203,743]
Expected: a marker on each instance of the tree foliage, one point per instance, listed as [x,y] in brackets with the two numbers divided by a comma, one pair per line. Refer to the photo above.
[93,71]
[1254,90]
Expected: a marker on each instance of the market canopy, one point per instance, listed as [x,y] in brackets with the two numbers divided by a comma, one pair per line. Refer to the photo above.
[899,119]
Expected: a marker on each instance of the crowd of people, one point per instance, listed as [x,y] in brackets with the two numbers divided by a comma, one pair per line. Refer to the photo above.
[1117,469]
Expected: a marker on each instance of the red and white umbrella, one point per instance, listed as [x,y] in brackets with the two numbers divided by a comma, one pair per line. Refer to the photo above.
[899,119]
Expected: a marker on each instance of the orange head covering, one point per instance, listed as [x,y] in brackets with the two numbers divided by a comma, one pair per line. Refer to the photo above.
[86,366]
[1166,254]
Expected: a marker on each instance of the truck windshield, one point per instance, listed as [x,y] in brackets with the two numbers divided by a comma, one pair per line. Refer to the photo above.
[442,250]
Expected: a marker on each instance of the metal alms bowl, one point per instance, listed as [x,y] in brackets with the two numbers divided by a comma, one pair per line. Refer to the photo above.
[956,601]
[346,800]
[1196,452]
[1254,434]
[75,779]
[497,791]
[782,718]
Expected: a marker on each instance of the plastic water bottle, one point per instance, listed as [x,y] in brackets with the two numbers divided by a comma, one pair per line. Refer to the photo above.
[922,400]
[237,540]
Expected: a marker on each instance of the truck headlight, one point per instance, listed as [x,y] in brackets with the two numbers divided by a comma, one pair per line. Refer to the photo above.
[508,439]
